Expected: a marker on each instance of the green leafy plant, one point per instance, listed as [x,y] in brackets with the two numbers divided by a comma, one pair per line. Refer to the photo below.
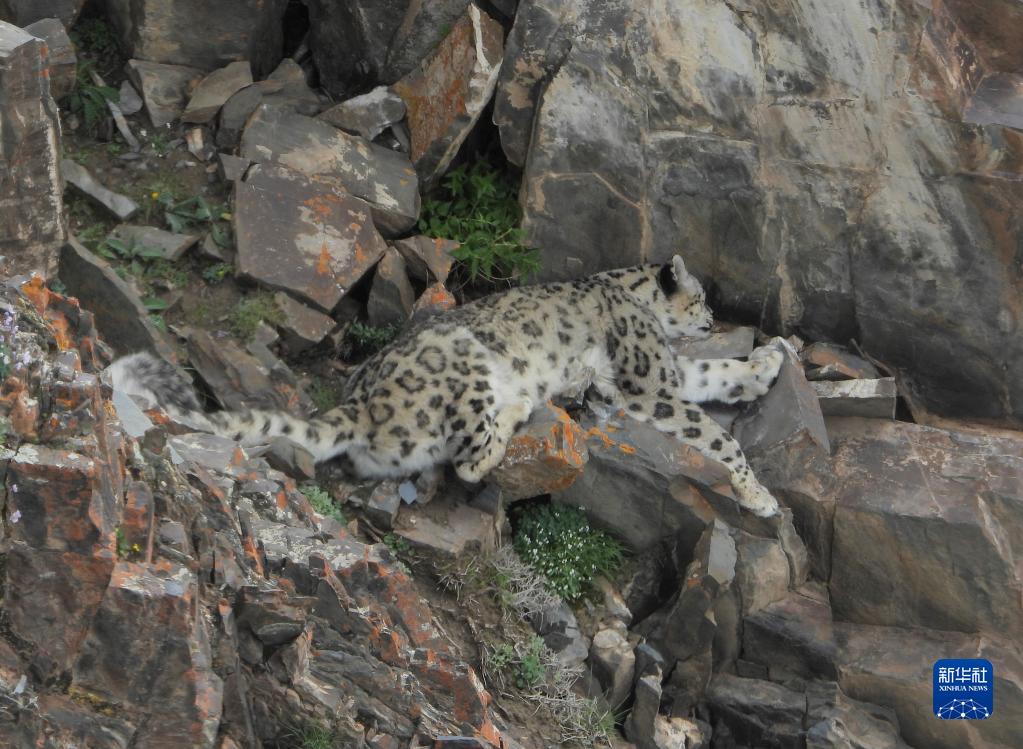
[89,100]
[398,545]
[323,503]
[311,736]
[477,207]
[251,311]
[135,255]
[371,339]
[94,36]
[557,542]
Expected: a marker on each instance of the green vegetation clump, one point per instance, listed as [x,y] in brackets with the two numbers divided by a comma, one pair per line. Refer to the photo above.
[371,339]
[557,542]
[323,503]
[251,311]
[477,207]
[89,100]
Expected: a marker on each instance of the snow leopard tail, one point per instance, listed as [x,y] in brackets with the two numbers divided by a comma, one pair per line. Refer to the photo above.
[156,380]
[325,436]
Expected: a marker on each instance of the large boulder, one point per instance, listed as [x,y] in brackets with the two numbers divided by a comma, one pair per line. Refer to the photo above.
[25,12]
[911,525]
[230,30]
[31,208]
[838,172]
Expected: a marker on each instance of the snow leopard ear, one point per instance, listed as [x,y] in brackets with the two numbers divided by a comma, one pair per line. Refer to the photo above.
[673,276]
[679,268]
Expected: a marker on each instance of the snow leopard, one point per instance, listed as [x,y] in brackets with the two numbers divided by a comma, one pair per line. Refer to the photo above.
[453,388]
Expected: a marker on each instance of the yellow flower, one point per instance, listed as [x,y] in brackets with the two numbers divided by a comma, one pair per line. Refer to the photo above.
[154,195]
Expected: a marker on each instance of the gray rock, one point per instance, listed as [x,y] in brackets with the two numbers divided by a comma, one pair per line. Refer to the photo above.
[381,177]
[545,456]
[287,88]
[789,413]
[447,528]
[165,89]
[434,300]
[686,627]
[232,168]
[240,381]
[231,30]
[391,296]
[63,61]
[623,137]
[76,175]
[367,115]
[214,90]
[316,254]
[429,260]
[302,326]
[424,28]
[31,208]
[729,343]
[235,113]
[834,721]
[383,505]
[826,361]
[639,726]
[25,12]
[173,246]
[120,314]
[613,664]
[888,666]
[645,485]
[560,632]
[290,458]
[129,101]
[915,503]
[758,713]
[867,398]
[761,573]
[447,94]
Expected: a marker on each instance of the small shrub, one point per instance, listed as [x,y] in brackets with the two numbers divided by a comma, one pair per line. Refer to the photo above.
[251,311]
[477,207]
[559,544]
[136,256]
[323,503]
[370,339]
[89,100]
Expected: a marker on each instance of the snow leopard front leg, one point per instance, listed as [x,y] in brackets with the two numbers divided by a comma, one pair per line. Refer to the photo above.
[730,380]
[484,442]
[659,403]
[689,423]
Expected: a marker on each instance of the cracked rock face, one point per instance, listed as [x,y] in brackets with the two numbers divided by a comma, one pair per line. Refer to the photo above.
[842,172]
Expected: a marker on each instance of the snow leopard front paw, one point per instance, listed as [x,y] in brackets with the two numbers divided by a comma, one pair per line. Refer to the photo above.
[764,364]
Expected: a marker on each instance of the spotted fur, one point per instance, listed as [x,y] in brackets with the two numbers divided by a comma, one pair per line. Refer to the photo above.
[456,386]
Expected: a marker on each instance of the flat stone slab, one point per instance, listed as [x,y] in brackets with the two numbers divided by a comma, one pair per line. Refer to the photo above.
[81,178]
[302,325]
[383,178]
[165,89]
[869,398]
[173,246]
[732,343]
[367,115]
[826,361]
[214,90]
[447,528]
[304,234]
